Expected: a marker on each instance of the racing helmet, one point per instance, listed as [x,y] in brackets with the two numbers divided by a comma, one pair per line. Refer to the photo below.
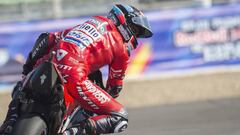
[130,22]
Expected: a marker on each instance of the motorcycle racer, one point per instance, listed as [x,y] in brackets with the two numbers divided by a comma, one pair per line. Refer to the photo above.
[83,50]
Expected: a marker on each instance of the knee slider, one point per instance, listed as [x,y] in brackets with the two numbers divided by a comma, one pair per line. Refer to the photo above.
[121,125]
[120,121]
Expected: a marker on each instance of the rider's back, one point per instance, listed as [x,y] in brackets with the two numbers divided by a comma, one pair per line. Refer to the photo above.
[91,45]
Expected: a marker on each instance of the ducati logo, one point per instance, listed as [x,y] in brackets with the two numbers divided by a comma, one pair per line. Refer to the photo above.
[61,54]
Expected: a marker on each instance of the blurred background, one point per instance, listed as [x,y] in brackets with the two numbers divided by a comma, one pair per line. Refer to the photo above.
[184,80]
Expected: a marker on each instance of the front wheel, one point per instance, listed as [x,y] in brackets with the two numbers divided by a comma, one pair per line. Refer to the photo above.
[30,125]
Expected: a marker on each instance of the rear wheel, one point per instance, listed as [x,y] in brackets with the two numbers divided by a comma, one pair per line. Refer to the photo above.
[30,125]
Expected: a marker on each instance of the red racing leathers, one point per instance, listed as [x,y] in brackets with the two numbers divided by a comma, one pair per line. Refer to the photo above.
[82,50]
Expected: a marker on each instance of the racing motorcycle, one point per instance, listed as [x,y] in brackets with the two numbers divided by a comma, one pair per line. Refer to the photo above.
[45,107]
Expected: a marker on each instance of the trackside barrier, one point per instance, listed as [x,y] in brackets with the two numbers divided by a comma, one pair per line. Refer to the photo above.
[183,39]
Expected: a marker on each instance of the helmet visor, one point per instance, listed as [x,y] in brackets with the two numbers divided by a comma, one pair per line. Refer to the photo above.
[144,30]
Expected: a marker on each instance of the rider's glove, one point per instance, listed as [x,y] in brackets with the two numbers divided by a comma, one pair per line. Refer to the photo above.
[114,91]
[114,87]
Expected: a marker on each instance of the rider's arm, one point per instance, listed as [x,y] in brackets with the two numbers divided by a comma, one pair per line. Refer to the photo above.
[116,75]
[42,46]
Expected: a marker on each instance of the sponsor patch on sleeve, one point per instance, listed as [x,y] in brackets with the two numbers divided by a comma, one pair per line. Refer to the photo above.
[78,38]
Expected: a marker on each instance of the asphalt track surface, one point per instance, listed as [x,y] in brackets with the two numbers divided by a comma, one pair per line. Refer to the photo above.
[213,117]
[180,106]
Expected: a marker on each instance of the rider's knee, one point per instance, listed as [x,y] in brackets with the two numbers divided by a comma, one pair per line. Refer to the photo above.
[119,121]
